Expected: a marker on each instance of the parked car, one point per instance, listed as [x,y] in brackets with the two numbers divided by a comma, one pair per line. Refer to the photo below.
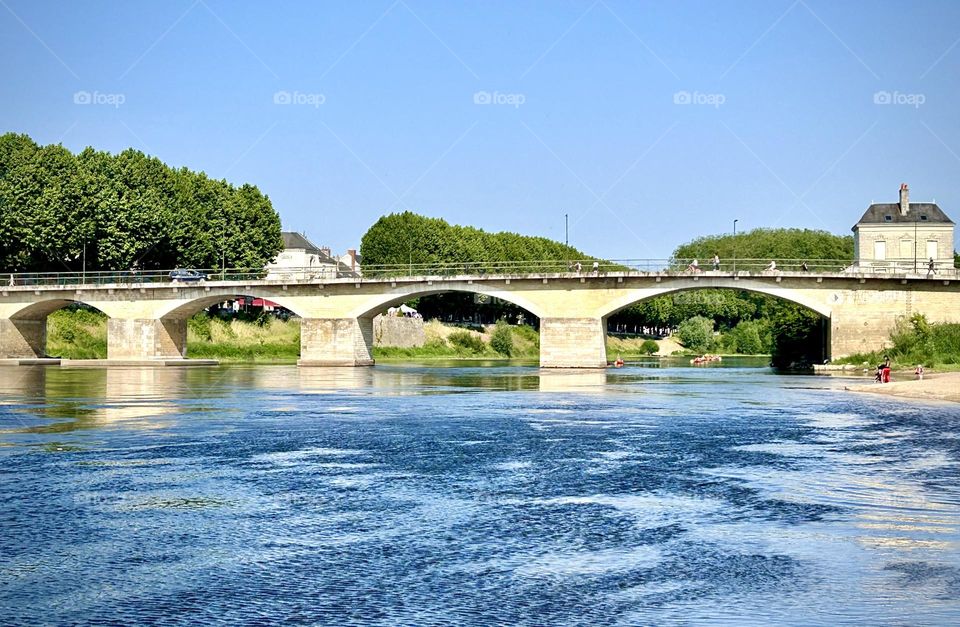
[187,276]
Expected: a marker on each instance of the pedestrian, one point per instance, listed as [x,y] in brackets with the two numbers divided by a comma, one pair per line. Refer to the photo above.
[11,280]
[578,267]
[716,261]
[596,267]
[804,267]
[931,267]
[919,372]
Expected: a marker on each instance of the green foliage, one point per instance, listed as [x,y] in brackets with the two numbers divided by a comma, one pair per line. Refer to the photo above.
[797,338]
[407,238]
[749,337]
[649,347]
[696,333]
[467,341]
[124,210]
[77,333]
[199,326]
[804,244]
[501,340]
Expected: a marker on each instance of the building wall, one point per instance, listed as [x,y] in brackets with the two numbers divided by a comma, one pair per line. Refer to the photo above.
[292,261]
[899,242]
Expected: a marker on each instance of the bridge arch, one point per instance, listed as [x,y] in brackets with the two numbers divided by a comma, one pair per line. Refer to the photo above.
[182,310]
[634,296]
[380,303]
[24,333]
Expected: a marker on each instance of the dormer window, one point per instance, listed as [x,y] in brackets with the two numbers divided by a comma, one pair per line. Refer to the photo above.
[888,218]
[923,218]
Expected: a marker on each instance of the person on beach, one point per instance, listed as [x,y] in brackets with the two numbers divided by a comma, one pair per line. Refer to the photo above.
[919,372]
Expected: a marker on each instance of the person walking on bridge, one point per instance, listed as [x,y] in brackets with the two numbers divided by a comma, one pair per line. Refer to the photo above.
[931,267]
[716,262]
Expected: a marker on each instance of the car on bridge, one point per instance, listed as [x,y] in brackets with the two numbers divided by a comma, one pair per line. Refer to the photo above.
[187,276]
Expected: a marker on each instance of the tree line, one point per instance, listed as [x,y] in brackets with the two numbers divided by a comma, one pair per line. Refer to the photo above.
[408,239]
[61,211]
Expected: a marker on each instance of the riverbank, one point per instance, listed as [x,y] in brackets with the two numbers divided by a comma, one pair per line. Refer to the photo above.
[941,386]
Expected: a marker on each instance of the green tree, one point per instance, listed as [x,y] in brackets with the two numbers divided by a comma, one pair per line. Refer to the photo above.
[696,333]
[408,239]
[764,244]
[649,347]
[124,209]
[501,340]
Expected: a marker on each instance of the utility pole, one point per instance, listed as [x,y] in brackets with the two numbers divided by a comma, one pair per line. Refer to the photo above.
[915,243]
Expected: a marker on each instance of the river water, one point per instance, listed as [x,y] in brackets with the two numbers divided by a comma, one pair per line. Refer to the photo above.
[416,495]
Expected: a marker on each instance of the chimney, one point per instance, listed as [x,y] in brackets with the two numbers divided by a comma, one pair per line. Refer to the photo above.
[325,250]
[352,253]
[904,199]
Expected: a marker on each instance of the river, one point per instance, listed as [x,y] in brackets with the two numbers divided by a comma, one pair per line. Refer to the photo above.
[482,494]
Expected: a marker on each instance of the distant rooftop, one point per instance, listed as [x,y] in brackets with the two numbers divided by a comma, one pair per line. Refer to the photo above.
[297,241]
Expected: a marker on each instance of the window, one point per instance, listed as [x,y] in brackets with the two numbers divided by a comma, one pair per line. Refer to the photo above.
[888,218]
[923,218]
[906,249]
[879,250]
[932,249]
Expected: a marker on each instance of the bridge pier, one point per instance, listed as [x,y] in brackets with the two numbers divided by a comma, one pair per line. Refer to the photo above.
[23,338]
[144,338]
[336,341]
[573,343]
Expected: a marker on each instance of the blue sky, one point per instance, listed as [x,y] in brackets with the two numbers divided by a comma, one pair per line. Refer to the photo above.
[649,123]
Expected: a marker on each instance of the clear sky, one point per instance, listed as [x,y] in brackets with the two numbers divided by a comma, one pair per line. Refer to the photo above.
[649,123]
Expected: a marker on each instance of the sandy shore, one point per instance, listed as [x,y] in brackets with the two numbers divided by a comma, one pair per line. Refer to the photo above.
[939,387]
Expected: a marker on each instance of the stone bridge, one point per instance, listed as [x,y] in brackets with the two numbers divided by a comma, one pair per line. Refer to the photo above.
[148,321]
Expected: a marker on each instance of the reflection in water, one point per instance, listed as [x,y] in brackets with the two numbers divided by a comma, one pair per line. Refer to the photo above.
[487,494]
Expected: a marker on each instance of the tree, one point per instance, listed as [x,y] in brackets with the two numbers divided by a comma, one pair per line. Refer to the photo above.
[58,210]
[696,333]
[802,244]
[408,239]
[501,340]
[649,347]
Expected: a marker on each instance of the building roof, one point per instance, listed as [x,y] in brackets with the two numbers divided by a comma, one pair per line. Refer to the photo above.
[889,213]
[296,241]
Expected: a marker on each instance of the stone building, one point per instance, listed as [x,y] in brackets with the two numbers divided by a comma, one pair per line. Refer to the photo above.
[903,237]
[301,256]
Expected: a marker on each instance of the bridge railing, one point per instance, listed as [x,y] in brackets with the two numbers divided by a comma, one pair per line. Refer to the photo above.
[564,267]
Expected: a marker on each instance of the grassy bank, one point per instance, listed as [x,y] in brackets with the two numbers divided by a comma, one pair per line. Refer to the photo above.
[77,334]
[916,341]
[267,339]
[81,334]
[453,342]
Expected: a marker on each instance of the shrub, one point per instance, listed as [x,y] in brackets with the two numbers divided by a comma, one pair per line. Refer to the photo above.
[649,347]
[467,341]
[696,333]
[501,340]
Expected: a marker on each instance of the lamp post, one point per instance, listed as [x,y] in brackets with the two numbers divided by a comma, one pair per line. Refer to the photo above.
[735,245]
[566,229]
[915,243]
[83,275]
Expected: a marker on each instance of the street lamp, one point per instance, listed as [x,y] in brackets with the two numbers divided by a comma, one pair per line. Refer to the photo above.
[566,229]
[735,245]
